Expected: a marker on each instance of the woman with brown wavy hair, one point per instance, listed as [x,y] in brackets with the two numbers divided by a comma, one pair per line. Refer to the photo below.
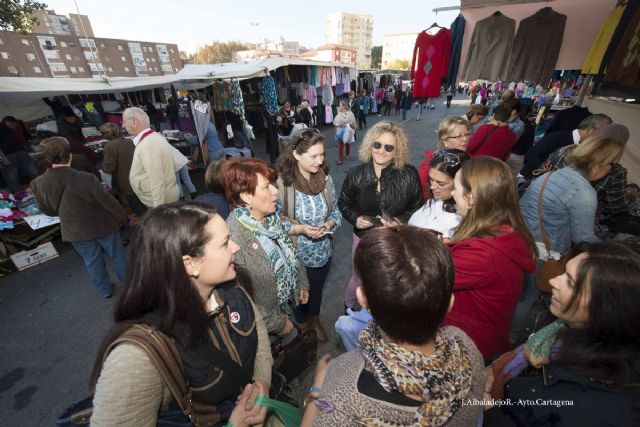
[492,248]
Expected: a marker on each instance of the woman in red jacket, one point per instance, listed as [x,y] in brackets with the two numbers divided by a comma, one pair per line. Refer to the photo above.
[495,138]
[492,248]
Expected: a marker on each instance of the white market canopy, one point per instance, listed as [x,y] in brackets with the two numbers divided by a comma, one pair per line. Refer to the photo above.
[248,70]
[22,96]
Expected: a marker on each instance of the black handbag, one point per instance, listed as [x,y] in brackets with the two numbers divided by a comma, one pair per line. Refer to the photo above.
[293,358]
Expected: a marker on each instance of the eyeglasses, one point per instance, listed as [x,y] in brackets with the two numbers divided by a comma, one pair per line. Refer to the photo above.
[305,135]
[463,135]
[387,147]
[449,158]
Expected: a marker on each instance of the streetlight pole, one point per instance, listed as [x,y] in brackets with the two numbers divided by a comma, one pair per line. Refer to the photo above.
[255,26]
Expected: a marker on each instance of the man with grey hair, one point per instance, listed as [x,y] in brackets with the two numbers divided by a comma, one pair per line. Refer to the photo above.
[551,142]
[152,176]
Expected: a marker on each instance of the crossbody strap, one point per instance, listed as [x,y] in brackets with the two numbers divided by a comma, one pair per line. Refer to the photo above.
[487,136]
[543,232]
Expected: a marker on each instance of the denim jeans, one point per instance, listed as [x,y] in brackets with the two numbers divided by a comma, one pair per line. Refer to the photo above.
[19,162]
[317,278]
[420,108]
[404,113]
[91,252]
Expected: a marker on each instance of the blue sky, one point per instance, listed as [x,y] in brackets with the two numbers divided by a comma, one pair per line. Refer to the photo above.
[193,23]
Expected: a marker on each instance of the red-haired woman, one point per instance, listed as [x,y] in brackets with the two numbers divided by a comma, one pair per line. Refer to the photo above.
[266,251]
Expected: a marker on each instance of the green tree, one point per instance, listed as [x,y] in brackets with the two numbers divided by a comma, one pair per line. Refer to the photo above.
[217,52]
[16,15]
[399,64]
[376,57]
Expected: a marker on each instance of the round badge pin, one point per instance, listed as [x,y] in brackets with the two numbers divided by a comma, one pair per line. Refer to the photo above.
[235,317]
[255,246]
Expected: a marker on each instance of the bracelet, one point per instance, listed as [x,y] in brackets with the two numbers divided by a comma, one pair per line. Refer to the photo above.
[310,398]
[315,389]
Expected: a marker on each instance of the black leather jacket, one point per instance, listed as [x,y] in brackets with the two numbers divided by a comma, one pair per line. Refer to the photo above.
[400,192]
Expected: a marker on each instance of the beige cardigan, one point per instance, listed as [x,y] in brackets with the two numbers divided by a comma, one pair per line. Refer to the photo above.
[130,392]
[153,175]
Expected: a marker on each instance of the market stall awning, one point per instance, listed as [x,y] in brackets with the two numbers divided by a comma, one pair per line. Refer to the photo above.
[248,70]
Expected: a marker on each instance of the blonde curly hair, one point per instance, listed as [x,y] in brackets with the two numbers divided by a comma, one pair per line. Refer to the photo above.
[402,143]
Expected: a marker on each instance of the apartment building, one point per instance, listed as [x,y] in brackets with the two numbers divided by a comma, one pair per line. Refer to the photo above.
[59,49]
[398,47]
[331,53]
[351,30]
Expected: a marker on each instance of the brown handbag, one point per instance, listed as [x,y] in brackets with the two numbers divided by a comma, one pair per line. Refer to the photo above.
[551,267]
[293,358]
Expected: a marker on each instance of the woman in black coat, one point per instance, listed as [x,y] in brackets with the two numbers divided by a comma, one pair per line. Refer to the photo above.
[384,189]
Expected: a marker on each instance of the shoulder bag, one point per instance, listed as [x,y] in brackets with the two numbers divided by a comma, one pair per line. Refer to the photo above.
[293,358]
[164,356]
[551,267]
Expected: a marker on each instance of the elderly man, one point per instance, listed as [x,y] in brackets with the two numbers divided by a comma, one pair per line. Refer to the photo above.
[551,142]
[152,176]
[90,218]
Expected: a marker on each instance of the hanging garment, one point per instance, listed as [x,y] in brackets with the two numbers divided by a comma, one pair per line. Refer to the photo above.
[327,96]
[624,68]
[593,60]
[457,34]
[537,46]
[430,62]
[311,95]
[269,94]
[490,48]
[237,103]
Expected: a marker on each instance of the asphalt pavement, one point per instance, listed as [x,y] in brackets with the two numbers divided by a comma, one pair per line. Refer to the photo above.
[52,320]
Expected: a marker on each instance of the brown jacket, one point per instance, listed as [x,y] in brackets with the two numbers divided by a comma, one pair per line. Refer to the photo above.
[86,210]
[118,156]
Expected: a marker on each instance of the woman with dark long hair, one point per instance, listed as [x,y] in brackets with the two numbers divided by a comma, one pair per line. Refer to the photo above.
[439,212]
[310,210]
[588,357]
[183,254]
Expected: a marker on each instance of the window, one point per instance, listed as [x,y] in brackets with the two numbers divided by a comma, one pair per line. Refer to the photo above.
[102,45]
[153,59]
[67,57]
[25,42]
[73,70]
[1,42]
[13,70]
[171,50]
[63,44]
[51,54]
[58,67]
[31,57]
[110,69]
[71,44]
[106,58]
[87,43]
[5,55]
[81,69]
[126,69]
[37,70]
[119,47]
[96,67]
[89,56]
[123,59]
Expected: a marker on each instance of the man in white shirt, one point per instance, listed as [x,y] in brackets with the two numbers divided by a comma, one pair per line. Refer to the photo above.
[152,176]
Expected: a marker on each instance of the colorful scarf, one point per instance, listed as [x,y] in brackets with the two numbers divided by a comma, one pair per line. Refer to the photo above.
[442,380]
[280,252]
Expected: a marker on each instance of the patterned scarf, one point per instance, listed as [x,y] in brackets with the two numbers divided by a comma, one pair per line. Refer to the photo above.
[442,380]
[280,252]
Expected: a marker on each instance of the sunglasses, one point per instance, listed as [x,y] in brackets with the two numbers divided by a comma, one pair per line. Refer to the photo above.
[305,135]
[387,147]
[449,158]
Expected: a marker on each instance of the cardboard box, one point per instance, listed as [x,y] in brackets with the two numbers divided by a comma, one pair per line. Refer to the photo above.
[42,253]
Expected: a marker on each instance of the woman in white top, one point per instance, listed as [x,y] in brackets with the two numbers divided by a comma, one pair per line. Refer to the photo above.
[439,212]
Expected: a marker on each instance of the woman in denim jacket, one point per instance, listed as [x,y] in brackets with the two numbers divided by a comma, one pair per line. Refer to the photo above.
[569,205]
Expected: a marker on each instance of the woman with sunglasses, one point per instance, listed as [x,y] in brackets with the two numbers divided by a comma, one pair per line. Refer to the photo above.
[439,212]
[492,249]
[589,356]
[453,132]
[310,212]
[384,190]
